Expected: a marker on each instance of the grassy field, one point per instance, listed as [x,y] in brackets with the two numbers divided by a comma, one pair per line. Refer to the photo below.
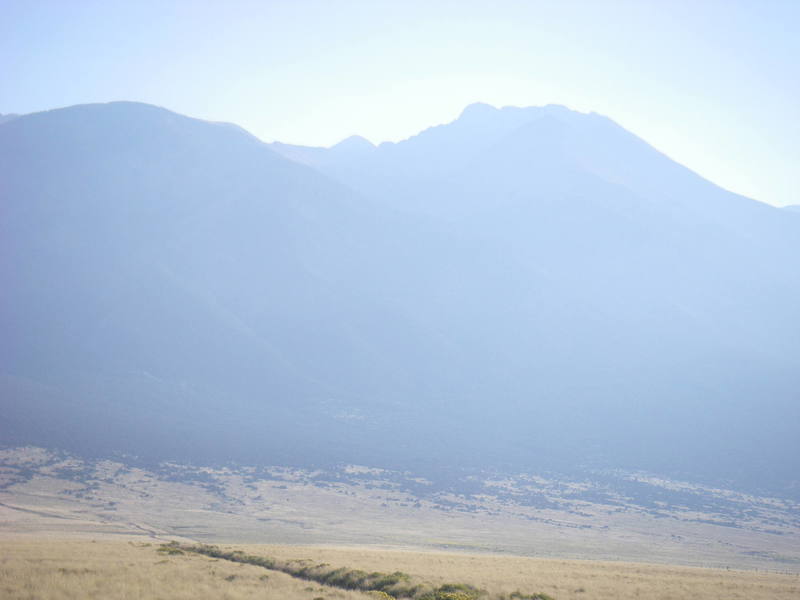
[60,569]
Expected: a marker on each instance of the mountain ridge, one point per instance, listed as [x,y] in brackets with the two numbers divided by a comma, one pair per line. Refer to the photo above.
[182,290]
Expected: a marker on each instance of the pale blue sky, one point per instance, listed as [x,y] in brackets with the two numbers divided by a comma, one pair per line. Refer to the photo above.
[713,84]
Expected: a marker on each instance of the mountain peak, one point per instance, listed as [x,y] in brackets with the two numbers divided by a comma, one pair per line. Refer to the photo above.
[477,109]
[354,142]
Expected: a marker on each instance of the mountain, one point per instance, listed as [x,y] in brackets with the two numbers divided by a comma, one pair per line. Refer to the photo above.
[524,288]
[7,117]
[175,285]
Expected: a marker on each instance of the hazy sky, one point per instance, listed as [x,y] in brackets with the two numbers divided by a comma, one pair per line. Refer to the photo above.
[715,85]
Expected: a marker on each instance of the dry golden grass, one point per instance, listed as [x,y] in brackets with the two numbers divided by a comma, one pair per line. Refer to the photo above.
[562,579]
[111,570]
[66,570]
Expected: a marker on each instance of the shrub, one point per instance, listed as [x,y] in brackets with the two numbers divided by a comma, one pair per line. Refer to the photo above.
[453,591]
[169,549]
[380,586]
[537,596]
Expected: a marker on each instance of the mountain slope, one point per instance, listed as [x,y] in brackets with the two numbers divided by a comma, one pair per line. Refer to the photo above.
[166,273]
[522,288]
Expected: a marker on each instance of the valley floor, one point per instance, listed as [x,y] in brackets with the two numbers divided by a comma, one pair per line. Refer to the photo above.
[630,518]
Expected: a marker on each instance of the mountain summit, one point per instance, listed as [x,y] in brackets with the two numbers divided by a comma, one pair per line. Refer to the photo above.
[354,142]
[532,288]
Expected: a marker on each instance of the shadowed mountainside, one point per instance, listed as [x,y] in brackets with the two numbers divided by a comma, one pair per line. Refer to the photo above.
[526,288]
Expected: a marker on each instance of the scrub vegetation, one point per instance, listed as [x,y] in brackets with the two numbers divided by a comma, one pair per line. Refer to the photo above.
[380,585]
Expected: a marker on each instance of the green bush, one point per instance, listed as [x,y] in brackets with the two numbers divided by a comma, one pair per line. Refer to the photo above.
[453,591]
[170,549]
[520,596]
